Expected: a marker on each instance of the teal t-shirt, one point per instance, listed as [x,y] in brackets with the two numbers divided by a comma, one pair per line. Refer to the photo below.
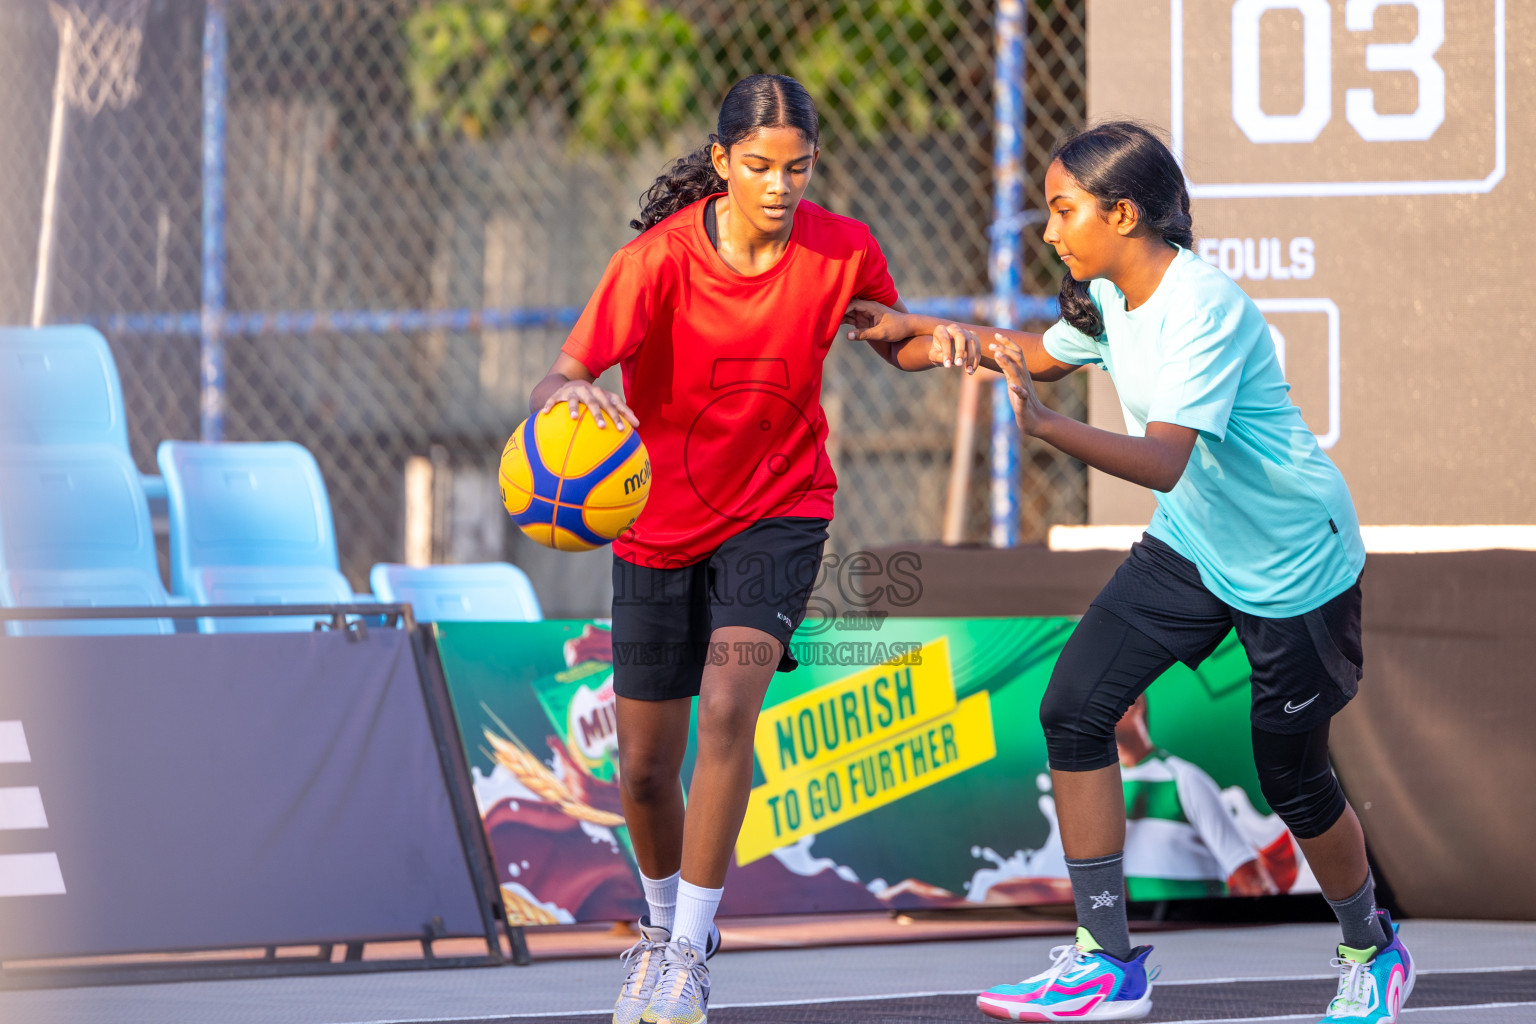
[1260,509]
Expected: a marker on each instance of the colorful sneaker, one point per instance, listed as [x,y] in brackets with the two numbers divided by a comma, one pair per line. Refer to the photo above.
[644,962]
[1084,983]
[1373,986]
[681,995]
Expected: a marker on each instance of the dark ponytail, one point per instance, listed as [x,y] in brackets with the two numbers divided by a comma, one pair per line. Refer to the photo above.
[1123,160]
[754,103]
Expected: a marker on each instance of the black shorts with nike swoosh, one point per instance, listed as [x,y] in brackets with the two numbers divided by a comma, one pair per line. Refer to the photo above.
[1305,668]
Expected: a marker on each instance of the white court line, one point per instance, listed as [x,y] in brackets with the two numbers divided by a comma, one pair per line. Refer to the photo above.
[13,744]
[1471,970]
[716,1006]
[1325,977]
[21,807]
[1465,1006]
[969,991]
[1313,1016]
[30,874]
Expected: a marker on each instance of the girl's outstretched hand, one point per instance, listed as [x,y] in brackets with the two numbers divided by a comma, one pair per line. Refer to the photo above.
[875,321]
[951,344]
[578,393]
[954,345]
[1027,407]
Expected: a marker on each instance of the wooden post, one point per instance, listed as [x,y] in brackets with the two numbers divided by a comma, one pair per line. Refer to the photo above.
[963,453]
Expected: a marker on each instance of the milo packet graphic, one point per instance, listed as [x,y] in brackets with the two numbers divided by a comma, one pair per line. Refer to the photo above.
[580,703]
[550,802]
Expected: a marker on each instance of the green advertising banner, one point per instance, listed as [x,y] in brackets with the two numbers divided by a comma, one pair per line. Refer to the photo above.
[902,765]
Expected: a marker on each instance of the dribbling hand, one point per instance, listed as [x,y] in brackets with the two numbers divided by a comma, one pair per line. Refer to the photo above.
[578,393]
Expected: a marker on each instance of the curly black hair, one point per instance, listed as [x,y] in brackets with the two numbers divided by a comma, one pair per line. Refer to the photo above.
[754,103]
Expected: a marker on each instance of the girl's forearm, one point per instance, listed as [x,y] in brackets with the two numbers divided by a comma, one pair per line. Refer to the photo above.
[913,354]
[1039,362]
[1148,461]
[544,388]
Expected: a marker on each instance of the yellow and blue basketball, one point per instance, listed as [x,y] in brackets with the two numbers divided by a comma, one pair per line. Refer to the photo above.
[570,484]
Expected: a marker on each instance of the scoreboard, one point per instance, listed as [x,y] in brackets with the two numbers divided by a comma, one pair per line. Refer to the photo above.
[1362,168]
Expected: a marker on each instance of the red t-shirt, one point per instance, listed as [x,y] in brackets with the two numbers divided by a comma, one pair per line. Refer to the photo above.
[724,373]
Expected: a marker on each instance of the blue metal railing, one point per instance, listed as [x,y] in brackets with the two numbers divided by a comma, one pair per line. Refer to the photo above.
[970,308]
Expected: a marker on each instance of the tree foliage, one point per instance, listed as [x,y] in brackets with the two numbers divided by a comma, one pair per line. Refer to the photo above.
[619,71]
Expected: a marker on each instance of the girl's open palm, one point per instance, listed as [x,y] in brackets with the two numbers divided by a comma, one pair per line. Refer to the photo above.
[1027,407]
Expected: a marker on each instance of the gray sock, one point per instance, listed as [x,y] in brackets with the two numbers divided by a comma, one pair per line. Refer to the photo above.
[1098,889]
[1363,927]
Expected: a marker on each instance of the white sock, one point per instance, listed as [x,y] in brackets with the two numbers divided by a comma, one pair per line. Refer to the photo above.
[695,913]
[661,898]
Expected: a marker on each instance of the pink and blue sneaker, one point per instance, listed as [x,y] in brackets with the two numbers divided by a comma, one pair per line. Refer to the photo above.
[1083,983]
[1373,985]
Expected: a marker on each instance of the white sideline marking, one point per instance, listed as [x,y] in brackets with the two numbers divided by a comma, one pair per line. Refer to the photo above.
[961,992]
[1334,974]
[1313,1016]
[1465,1006]
[13,744]
[21,807]
[30,874]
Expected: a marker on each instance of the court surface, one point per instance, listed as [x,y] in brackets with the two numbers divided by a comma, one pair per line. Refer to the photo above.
[1469,973]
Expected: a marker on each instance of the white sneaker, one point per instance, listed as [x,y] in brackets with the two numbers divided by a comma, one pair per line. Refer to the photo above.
[681,994]
[644,962]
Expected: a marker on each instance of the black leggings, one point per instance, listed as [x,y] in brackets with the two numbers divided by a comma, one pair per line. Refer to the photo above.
[1106,665]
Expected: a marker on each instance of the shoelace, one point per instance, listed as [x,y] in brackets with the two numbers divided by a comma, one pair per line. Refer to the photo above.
[635,959]
[682,973]
[1064,958]
[1356,985]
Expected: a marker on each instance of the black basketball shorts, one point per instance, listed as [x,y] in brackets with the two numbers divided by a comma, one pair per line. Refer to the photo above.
[663,617]
[1305,667]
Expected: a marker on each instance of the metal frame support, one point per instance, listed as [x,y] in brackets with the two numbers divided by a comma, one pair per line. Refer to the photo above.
[215,110]
[1008,221]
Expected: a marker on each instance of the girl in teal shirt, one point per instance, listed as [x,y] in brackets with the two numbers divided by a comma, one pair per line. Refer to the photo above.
[1254,531]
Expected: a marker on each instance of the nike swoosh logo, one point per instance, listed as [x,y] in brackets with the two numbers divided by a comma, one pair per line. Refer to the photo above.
[1291,709]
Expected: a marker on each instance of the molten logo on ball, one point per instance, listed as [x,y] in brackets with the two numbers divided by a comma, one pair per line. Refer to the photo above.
[570,484]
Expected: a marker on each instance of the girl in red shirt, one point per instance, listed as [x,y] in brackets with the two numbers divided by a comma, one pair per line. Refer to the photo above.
[720,316]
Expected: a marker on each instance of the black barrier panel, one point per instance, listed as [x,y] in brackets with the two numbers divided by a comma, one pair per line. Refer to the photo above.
[218,791]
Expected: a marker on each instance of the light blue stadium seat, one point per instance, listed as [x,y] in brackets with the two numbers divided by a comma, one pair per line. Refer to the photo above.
[250,524]
[261,584]
[59,385]
[75,532]
[487,592]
